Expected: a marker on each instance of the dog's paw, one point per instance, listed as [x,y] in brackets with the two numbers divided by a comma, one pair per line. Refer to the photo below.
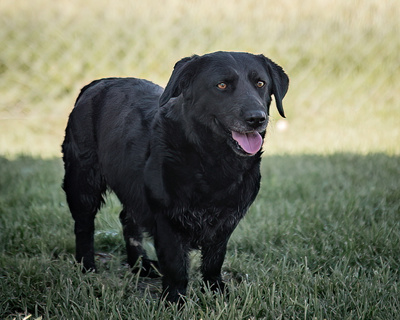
[215,287]
[149,268]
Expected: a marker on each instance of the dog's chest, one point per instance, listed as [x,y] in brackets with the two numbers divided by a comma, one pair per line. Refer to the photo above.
[202,226]
[208,194]
[211,200]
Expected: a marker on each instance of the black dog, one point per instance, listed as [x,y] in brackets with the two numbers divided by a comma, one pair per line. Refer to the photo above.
[184,161]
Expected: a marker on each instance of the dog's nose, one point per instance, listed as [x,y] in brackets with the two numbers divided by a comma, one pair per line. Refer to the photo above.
[255,118]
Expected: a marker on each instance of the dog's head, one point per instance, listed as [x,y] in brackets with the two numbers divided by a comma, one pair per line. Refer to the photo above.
[231,93]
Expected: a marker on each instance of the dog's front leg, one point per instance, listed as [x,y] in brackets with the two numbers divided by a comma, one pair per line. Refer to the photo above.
[213,256]
[172,252]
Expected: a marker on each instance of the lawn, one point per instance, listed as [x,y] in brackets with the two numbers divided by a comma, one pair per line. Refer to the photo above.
[322,240]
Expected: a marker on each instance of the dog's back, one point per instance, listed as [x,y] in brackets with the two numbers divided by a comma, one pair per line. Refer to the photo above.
[111,117]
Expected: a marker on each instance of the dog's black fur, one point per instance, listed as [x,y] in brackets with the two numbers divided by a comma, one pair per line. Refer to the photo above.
[170,157]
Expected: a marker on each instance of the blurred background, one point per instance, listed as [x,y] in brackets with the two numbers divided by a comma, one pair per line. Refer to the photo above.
[342,57]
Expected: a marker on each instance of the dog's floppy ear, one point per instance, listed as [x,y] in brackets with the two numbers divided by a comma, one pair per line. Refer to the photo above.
[183,72]
[280,82]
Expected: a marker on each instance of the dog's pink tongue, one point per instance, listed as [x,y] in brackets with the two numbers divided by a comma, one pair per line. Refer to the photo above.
[250,142]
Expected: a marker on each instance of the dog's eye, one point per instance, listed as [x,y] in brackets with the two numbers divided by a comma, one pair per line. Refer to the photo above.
[222,85]
[260,84]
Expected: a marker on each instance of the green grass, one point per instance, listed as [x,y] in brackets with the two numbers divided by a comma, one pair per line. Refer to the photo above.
[341,56]
[322,241]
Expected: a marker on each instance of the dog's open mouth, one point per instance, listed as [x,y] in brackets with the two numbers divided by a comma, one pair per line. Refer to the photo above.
[249,142]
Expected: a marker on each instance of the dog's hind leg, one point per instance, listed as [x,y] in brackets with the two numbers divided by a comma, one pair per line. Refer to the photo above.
[84,187]
[133,237]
